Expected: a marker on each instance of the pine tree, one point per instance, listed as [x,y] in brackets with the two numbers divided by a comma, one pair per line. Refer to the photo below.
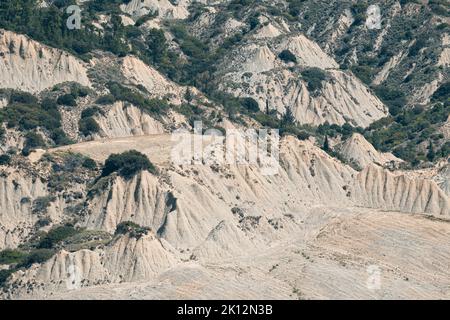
[431,155]
[326,145]
[288,118]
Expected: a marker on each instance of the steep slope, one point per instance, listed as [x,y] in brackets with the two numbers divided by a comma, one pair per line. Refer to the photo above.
[30,66]
[163,8]
[377,188]
[18,191]
[138,73]
[359,151]
[123,120]
[255,70]
[124,259]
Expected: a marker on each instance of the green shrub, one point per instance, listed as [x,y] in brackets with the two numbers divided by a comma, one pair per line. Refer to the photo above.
[28,115]
[131,228]
[5,159]
[22,97]
[67,100]
[36,256]
[394,98]
[442,93]
[4,275]
[10,256]
[314,78]
[32,140]
[287,56]
[250,104]
[88,126]
[90,112]
[56,235]
[90,164]
[41,204]
[127,164]
[106,100]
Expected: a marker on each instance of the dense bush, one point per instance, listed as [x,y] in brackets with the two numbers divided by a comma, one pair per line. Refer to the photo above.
[127,164]
[106,99]
[250,104]
[41,204]
[32,140]
[314,78]
[404,133]
[56,235]
[5,159]
[26,113]
[88,126]
[67,100]
[4,275]
[90,164]
[150,106]
[287,56]
[36,256]
[394,98]
[131,228]
[10,256]
[442,93]
[91,111]
[22,97]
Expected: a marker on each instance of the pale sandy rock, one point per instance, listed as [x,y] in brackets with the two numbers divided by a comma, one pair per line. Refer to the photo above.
[157,85]
[126,21]
[424,94]
[442,178]
[141,200]
[33,67]
[17,193]
[378,188]
[225,241]
[308,53]
[36,155]
[164,8]
[445,129]
[255,71]
[387,68]
[130,259]
[267,31]
[446,39]
[125,259]
[444,58]
[359,151]
[123,120]
[12,139]
[3,102]
[331,263]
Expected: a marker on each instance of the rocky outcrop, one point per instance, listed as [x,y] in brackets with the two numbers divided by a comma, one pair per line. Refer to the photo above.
[378,188]
[357,150]
[17,193]
[122,120]
[125,259]
[138,73]
[164,8]
[30,66]
[255,70]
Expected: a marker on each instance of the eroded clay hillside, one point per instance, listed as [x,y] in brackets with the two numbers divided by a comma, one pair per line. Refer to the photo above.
[93,205]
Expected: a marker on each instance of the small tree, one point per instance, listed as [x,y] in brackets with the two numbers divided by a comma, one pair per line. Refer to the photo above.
[287,56]
[326,145]
[67,100]
[127,164]
[250,104]
[431,155]
[288,118]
